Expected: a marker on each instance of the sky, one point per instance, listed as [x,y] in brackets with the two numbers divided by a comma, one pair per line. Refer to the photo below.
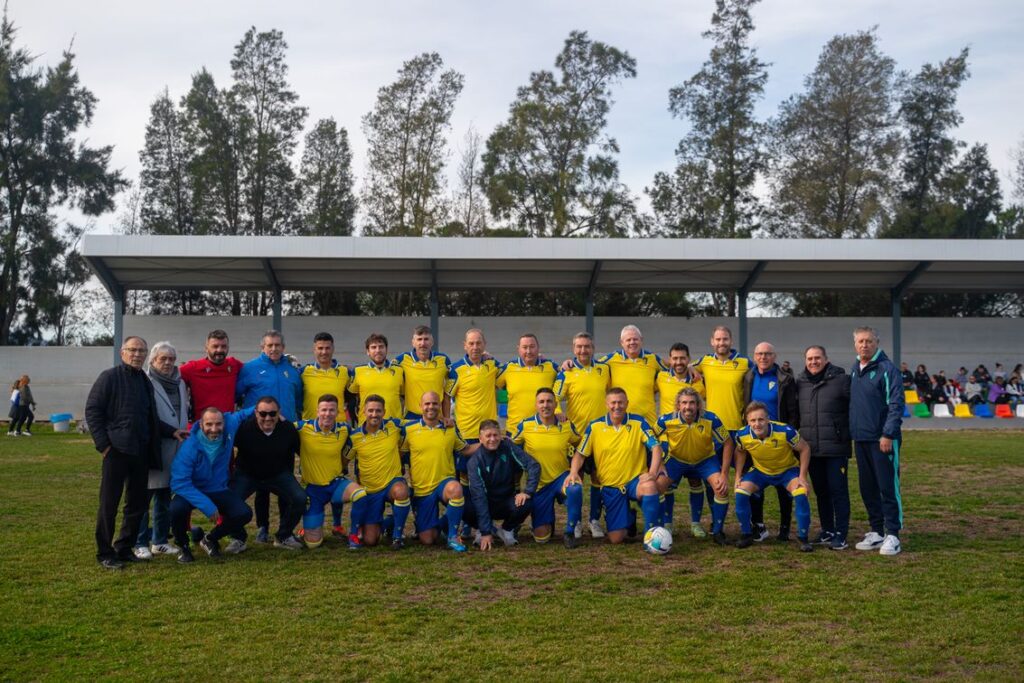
[341,53]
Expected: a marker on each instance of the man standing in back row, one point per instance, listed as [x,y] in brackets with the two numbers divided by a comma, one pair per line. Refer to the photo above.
[876,415]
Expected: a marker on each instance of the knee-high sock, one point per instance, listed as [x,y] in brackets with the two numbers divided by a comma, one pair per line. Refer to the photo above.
[596,502]
[743,500]
[358,502]
[719,509]
[651,506]
[573,506]
[785,508]
[336,510]
[696,502]
[756,508]
[454,514]
[400,511]
[668,507]
[803,512]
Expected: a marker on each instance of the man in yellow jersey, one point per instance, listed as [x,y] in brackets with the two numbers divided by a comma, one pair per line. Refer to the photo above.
[634,369]
[324,376]
[773,447]
[619,443]
[321,443]
[432,448]
[582,384]
[380,377]
[374,449]
[425,370]
[670,382]
[522,377]
[472,384]
[697,446]
[551,443]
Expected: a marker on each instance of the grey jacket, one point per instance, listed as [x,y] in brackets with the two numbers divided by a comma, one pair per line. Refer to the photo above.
[161,479]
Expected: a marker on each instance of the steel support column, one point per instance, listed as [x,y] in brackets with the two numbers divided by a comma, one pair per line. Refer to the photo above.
[276,286]
[435,323]
[897,294]
[741,311]
[588,296]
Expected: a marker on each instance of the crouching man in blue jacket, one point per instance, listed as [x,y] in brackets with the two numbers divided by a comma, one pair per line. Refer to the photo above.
[199,480]
[494,473]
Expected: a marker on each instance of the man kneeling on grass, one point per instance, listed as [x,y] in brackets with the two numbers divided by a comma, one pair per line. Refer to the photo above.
[199,480]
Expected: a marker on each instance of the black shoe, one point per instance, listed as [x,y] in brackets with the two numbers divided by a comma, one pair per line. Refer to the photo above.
[720,538]
[838,543]
[569,540]
[197,534]
[130,557]
[746,540]
[211,547]
[824,538]
[760,533]
[111,563]
[397,543]
[185,556]
[783,536]
[805,545]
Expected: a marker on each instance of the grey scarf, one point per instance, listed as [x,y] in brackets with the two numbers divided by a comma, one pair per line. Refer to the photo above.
[170,386]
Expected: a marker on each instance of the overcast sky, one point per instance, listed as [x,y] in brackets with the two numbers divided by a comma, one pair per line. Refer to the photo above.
[340,53]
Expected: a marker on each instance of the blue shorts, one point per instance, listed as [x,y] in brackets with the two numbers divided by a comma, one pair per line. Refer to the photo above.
[616,504]
[763,481]
[317,496]
[544,501]
[425,507]
[702,470]
[375,502]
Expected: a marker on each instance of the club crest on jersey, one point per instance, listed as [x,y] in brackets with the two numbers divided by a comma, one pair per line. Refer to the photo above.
[700,428]
[771,385]
[872,375]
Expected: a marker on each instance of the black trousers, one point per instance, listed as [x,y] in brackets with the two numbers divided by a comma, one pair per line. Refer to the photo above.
[504,509]
[261,507]
[785,508]
[830,479]
[126,475]
[23,423]
[879,475]
[234,513]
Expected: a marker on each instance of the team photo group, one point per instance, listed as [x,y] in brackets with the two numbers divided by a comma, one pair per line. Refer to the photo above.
[475,449]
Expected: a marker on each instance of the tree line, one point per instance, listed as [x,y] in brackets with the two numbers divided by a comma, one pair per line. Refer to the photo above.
[864,149]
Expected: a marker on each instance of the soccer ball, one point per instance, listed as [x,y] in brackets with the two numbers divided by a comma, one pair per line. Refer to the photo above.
[657,540]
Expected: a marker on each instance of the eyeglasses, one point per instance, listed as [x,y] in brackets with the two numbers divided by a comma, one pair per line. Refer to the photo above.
[267,413]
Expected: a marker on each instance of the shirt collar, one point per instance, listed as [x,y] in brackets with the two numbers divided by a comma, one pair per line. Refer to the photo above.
[416,359]
[371,364]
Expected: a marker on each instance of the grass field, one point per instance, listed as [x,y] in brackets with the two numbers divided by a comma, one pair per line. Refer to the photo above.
[951,606]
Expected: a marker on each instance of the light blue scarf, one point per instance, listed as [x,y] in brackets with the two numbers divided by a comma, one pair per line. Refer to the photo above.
[210,447]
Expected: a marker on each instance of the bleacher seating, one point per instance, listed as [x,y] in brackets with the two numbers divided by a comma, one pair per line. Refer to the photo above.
[942,410]
[1004,410]
[1020,410]
[910,397]
[982,410]
[963,410]
[921,410]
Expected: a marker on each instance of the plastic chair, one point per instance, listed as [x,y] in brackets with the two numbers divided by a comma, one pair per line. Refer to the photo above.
[906,410]
[1004,410]
[921,410]
[963,410]
[942,410]
[982,410]
[910,397]
[1020,410]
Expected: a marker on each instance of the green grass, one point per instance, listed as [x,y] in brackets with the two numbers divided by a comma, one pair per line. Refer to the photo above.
[950,606]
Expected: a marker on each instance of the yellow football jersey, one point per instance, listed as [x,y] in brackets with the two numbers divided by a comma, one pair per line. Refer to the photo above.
[522,382]
[316,382]
[376,455]
[637,377]
[619,453]
[690,443]
[583,390]
[386,382]
[431,454]
[723,381]
[320,452]
[473,388]
[550,445]
[422,376]
[669,387]
[773,454]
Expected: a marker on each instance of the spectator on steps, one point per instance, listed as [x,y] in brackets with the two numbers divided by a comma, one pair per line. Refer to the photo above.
[972,391]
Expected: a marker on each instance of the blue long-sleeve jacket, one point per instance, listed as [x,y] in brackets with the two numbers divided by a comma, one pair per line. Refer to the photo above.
[876,399]
[494,475]
[263,377]
[193,475]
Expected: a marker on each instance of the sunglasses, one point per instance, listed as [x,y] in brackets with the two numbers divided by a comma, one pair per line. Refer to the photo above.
[267,413]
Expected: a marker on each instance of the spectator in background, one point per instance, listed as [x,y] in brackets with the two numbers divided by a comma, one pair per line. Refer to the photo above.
[786,367]
[936,393]
[15,403]
[922,381]
[1018,370]
[1015,390]
[953,395]
[22,425]
[997,391]
[1000,372]
[961,377]
[972,391]
[941,378]
[172,409]
[907,375]
[981,373]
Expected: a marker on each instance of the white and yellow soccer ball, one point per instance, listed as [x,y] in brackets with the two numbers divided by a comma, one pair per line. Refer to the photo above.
[657,540]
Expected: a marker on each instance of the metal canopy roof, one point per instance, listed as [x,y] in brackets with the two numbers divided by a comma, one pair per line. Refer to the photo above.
[379,263]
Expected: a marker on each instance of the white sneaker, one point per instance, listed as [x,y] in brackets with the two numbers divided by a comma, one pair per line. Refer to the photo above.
[578,531]
[165,549]
[890,546]
[24,433]
[870,542]
[507,537]
[142,552]
[12,434]
[595,529]
[235,547]
[697,530]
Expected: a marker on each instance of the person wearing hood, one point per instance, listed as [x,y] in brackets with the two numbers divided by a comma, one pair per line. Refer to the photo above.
[876,417]
[171,408]
[199,480]
[823,394]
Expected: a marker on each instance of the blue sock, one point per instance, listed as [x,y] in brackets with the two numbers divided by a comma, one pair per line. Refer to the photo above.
[696,503]
[719,509]
[336,510]
[442,524]
[803,513]
[743,510]
[651,506]
[573,506]
[454,515]
[358,501]
[400,509]
[668,507]
[596,502]
[387,525]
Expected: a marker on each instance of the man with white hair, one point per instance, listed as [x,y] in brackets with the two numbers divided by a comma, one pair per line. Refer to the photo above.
[636,369]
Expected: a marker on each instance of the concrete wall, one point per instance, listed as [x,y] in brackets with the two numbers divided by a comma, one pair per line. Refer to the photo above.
[61,376]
